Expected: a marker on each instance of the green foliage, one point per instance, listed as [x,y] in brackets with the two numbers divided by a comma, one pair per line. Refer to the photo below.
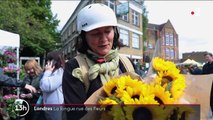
[33,21]
[145,23]
[22,73]
[9,104]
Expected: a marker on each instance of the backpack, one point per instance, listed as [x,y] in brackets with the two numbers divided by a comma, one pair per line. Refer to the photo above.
[85,68]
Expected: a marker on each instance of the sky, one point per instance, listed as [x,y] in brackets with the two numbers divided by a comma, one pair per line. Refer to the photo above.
[194,30]
[63,9]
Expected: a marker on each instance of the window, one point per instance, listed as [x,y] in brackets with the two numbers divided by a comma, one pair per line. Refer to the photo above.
[125,17]
[171,39]
[135,40]
[110,3]
[150,46]
[167,53]
[135,18]
[172,54]
[124,36]
[167,38]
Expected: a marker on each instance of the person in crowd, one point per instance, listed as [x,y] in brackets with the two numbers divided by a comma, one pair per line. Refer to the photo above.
[208,67]
[34,74]
[139,70]
[99,44]
[195,70]
[13,82]
[183,69]
[51,84]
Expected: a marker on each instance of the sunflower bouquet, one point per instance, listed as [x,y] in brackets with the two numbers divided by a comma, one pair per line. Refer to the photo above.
[131,99]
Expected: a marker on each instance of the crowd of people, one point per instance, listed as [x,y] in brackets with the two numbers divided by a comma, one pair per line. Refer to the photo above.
[194,69]
[78,79]
[40,86]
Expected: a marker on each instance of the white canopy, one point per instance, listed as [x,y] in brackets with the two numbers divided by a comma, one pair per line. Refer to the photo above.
[188,61]
[192,62]
[9,39]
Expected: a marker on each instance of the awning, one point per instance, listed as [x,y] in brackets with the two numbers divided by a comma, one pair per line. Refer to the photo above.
[9,39]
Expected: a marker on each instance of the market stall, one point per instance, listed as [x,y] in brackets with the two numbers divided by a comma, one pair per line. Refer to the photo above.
[8,39]
[9,58]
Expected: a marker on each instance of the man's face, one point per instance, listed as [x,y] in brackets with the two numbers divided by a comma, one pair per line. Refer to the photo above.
[209,58]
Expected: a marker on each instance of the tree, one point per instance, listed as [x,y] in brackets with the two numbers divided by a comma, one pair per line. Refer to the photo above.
[33,21]
[145,23]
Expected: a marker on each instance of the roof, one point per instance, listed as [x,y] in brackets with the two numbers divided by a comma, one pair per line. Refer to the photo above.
[159,27]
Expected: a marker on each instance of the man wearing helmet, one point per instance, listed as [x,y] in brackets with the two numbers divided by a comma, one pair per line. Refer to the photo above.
[98,45]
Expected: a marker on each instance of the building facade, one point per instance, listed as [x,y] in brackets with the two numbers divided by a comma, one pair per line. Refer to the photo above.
[162,41]
[129,26]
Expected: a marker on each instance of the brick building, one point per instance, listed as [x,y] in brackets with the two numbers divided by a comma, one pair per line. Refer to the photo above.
[162,40]
[129,25]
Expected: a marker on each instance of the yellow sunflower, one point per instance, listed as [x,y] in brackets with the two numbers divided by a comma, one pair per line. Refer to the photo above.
[139,95]
[171,65]
[127,98]
[117,85]
[177,88]
[165,77]
[144,112]
[108,101]
[121,85]
[132,82]
[131,94]
[110,87]
[138,98]
[174,83]
[161,96]
[159,64]
[149,99]
[166,70]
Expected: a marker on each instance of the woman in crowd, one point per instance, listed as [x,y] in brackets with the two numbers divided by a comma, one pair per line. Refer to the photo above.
[13,82]
[34,74]
[51,84]
[99,44]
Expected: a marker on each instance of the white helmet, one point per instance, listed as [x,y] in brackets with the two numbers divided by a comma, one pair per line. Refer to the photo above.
[94,16]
